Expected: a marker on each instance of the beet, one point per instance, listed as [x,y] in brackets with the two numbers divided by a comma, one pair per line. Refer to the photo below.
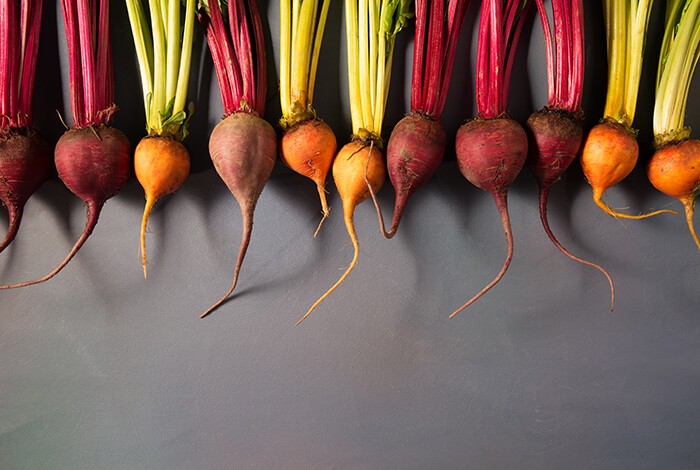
[490,154]
[243,148]
[94,163]
[25,164]
[555,139]
[414,152]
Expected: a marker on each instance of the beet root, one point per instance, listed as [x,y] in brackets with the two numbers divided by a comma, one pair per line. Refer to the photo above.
[243,148]
[94,163]
[414,152]
[675,171]
[609,154]
[554,140]
[309,148]
[490,154]
[25,164]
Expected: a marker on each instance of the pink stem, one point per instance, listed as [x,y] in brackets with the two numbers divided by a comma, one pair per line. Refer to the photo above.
[260,59]
[104,73]
[455,17]
[236,26]
[496,60]
[8,29]
[87,59]
[561,31]
[245,54]
[515,24]
[436,45]
[577,59]
[230,63]
[76,78]
[13,63]
[418,57]
[482,61]
[31,20]
[219,64]
[548,48]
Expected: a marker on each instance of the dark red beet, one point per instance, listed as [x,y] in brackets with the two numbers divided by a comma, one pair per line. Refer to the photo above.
[94,163]
[490,154]
[555,139]
[25,163]
[243,148]
[414,152]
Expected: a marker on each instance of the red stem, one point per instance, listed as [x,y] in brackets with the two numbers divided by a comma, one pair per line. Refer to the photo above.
[548,47]
[31,24]
[514,26]
[260,59]
[577,58]
[105,88]
[418,57]
[455,17]
[563,48]
[495,65]
[8,61]
[219,64]
[87,59]
[241,46]
[482,60]
[230,61]
[74,60]
[436,44]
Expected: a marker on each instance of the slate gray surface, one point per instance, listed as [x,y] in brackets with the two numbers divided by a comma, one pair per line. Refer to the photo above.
[101,369]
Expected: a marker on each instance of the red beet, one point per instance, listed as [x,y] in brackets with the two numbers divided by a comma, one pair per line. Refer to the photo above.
[555,138]
[243,148]
[490,154]
[94,163]
[413,154]
[25,163]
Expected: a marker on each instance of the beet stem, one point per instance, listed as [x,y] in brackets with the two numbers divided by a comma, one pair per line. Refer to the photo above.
[689,205]
[14,215]
[544,196]
[502,204]
[349,224]
[93,213]
[598,199]
[150,202]
[324,206]
[247,219]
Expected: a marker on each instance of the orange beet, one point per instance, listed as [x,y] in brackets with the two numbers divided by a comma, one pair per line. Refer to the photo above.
[162,165]
[675,171]
[357,163]
[309,149]
[608,156]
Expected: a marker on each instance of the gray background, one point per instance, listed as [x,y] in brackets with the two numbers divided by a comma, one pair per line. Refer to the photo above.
[104,370]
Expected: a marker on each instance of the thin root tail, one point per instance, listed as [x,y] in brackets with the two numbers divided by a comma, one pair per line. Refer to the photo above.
[93,209]
[544,194]
[621,215]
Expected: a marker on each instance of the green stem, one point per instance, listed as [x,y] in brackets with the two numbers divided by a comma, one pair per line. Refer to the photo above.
[144,52]
[185,58]
[173,41]
[285,55]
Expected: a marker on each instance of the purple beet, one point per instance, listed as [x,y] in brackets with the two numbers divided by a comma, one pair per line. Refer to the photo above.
[25,163]
[490,154]
[555,138]
[94,163]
